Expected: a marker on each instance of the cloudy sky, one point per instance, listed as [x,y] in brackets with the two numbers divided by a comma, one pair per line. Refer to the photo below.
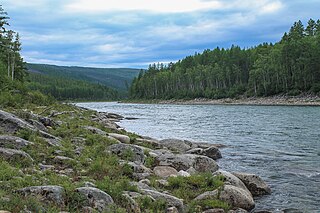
[135,33]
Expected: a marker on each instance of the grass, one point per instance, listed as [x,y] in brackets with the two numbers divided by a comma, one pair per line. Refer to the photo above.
[94,164]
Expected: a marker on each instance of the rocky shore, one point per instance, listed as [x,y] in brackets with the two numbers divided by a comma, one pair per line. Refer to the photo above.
[75,160]
[304,100]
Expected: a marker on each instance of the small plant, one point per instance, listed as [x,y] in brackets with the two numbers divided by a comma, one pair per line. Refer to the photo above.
[148,205]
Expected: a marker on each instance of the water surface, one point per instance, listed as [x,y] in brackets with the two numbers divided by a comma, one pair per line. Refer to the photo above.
[279,143]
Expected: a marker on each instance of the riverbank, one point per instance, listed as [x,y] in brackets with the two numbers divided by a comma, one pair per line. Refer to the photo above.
[304,100]
[80,160]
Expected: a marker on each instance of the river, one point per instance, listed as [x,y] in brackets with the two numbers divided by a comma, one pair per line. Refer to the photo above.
[279,143]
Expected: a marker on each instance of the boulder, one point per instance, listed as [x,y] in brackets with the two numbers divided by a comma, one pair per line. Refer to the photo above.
[152,143]
[141,176]
[95,130]
[138,168]
[231,179]
[47,121]
[177,145]
[196,151]
[95,198]
[128,152]
[170,200]
[54,194]
[10,124]
[63,161]
[7,141]
[204,145]
[165,171]
[212,152]
[238,210]
[254,183]
[183,173]
[131,204]
[214,211]
[172,210]
[37,124]
[121,138]
[234,196]
[185,161]
[14,155]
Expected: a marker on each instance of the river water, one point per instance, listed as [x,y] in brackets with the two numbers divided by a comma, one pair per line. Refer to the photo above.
[279,143]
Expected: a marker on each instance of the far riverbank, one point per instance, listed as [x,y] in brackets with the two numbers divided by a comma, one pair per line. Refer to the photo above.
[308,100]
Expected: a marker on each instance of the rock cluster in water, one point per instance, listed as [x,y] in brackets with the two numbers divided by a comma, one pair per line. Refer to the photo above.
[173,158]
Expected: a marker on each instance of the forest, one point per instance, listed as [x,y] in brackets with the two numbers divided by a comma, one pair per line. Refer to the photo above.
[69,89]
[289,67]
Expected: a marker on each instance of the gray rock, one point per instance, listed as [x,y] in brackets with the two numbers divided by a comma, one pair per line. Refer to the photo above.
[254,183]
[47,121]
[44,167]
[10,124]
[7,141]
[185,161]
[14,155]
[170,200]
[196,151]
[212,152]
[145,181]
[128,152]
[37,124]
[214,211]
[138,168]
[177,145]
[131,204]
[162,183]
[183,173]
[48,194]
[96,198]
[63,161]
[141,185]
[120,137]
[172,210]
[238,210]
[204,145]
[165,171]
[233,195]
[141,176]
[231,179]
[95,130]
[149,143]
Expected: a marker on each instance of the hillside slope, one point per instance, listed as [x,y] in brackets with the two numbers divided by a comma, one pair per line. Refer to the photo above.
[116,78]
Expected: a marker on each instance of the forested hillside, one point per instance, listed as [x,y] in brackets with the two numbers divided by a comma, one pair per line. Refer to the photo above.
[291,66]
[69,89]
[116,78]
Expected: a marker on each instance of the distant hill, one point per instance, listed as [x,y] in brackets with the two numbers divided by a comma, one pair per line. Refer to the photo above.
[115,78]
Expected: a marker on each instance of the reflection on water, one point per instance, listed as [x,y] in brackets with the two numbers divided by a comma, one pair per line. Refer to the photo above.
[279,143]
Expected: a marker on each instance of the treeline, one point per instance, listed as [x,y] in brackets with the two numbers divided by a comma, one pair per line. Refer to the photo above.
[69,89]
[291,66]
[11,62]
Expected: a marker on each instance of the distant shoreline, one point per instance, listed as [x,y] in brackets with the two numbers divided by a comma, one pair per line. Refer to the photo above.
[256,101]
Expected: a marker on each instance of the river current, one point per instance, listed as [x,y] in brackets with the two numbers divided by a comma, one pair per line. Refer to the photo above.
[279,143]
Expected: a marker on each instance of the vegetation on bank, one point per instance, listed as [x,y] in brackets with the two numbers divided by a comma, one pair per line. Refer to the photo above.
[291,66]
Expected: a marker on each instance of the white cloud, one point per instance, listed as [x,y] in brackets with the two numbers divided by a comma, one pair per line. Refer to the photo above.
[169,6]
[271,7]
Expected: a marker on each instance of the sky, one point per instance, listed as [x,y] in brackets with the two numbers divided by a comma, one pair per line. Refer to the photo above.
[136,33]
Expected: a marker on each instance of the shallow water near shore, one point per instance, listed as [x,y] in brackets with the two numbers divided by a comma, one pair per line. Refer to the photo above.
[279,143]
